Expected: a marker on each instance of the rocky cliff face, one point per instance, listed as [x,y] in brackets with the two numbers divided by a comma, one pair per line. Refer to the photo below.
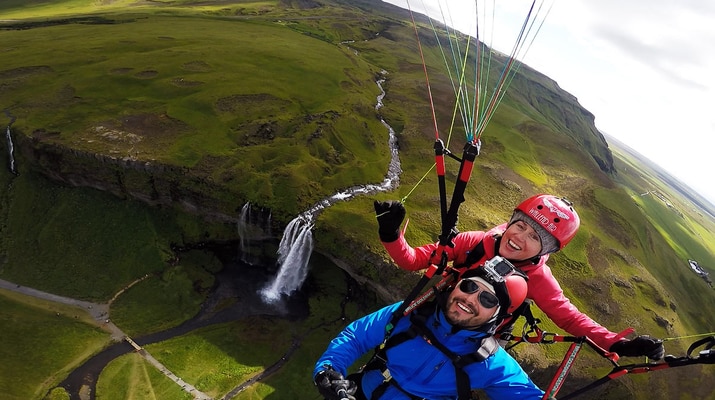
[150,182]
[563,110]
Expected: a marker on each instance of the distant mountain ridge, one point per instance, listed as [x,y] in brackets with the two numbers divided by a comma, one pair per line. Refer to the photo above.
[686,191]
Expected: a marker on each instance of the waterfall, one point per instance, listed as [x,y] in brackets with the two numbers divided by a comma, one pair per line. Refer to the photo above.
[11,150]
[242,227]
[297,242]
[253,227]
[294,253]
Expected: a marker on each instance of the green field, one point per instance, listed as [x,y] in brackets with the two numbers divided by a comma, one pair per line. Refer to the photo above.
[203,90]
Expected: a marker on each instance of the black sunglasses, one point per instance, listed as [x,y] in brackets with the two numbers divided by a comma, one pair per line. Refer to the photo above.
[486,299]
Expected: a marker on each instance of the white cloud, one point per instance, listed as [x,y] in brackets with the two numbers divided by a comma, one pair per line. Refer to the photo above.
[644,68]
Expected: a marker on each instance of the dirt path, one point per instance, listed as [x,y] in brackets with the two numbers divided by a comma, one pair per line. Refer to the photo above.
[100,314]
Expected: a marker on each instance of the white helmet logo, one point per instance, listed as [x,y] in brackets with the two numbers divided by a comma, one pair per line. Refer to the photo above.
[555,210]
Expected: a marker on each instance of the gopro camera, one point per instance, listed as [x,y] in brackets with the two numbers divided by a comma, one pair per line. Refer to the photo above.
[498,267]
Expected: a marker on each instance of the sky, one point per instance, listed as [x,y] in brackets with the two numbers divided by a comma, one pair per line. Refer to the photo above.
[644,68]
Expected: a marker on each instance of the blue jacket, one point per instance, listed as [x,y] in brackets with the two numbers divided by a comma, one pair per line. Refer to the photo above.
[422,369]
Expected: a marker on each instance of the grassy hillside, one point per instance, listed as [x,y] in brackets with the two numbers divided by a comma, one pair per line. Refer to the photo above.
[273,102]
[217,94]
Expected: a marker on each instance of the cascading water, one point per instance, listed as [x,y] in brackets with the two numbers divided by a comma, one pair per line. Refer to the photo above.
[243,229]
[297,242]
[10,150]
[10,145]
[253,227]
[294,253]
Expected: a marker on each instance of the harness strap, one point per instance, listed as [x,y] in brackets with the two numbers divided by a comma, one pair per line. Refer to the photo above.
[488,346]
[709,343]
[473,256]
[379,362]
[504,332]
[382,388]
[379,359]
[563,370]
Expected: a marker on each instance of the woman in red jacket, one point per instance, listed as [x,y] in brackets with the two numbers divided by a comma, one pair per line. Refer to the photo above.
[541,225]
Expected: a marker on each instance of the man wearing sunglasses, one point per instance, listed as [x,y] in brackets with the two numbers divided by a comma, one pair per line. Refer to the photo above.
[447,340]
[540,225]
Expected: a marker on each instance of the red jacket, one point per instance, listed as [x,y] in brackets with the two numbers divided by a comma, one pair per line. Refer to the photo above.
[543,288]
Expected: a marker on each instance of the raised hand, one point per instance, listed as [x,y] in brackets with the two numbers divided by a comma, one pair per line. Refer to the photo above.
[390,215]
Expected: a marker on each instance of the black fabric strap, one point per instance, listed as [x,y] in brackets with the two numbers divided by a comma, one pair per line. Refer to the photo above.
[357,378]
[382,388]
[505,329]
[488,347]
[473,256]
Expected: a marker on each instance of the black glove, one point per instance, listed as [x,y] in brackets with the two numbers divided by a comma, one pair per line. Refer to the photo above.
[640,346]
[389,218]
[333,386]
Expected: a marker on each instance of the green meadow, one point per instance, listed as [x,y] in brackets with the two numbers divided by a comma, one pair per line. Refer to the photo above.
[225,96]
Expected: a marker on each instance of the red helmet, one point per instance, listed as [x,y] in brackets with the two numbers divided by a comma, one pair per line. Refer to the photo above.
[509,283]
[517,287]
[555,214]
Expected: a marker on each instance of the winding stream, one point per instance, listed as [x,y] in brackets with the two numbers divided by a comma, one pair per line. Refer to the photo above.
[297,242]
